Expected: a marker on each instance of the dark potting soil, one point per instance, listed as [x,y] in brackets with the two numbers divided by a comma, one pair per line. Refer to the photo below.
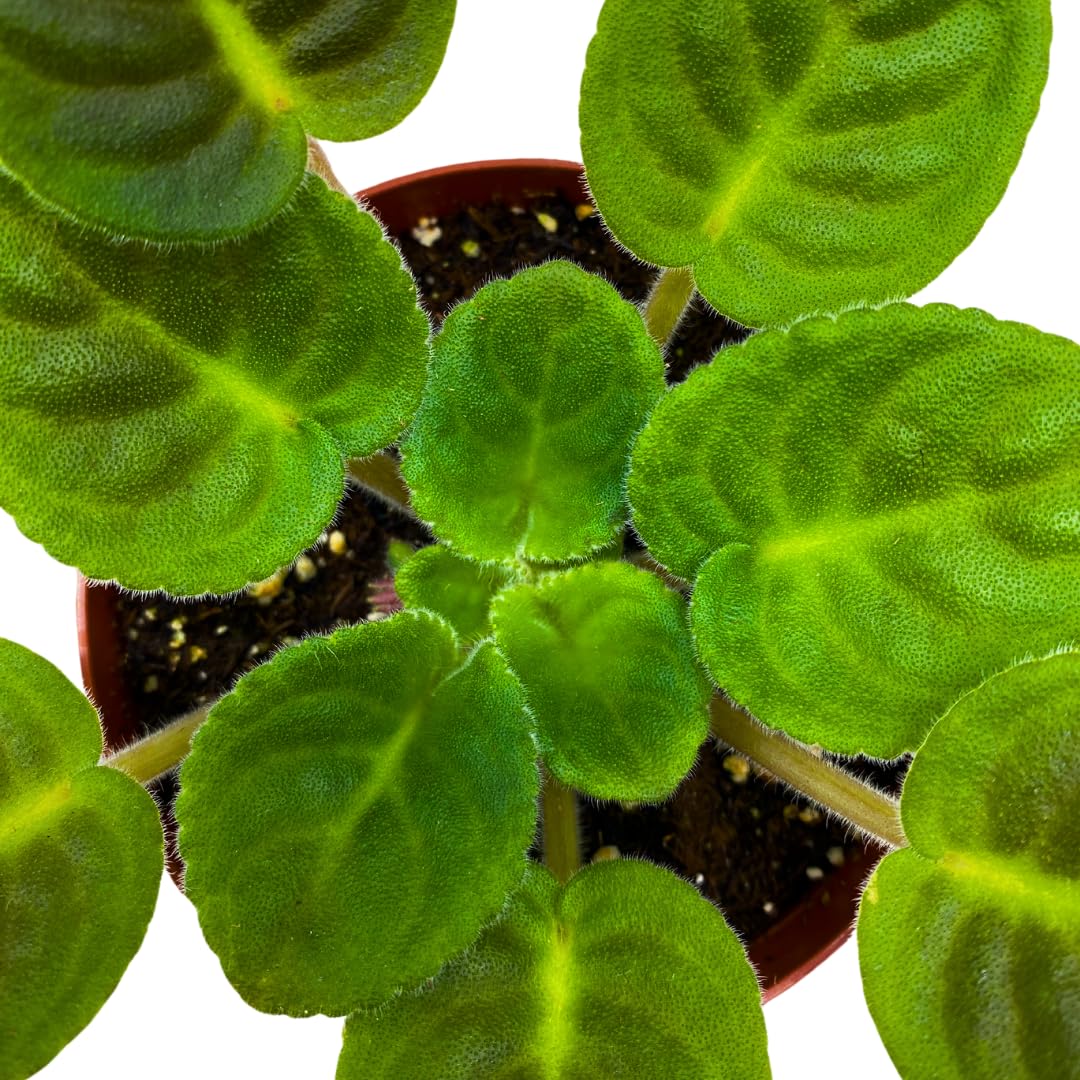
[748,844]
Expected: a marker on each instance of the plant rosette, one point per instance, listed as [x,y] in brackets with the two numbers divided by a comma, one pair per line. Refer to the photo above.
[859,530]
[800,935]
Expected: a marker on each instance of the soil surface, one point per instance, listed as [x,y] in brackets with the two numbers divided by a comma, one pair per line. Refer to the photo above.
[748,844]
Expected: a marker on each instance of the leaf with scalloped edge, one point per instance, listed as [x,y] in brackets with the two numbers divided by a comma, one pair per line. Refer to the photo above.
[187,120]
[626,971]
[969,940]
[807,155]
[80,864]
[180,420]
[619,703]
[878,510]
[458,589]
[537,388]
[355,811]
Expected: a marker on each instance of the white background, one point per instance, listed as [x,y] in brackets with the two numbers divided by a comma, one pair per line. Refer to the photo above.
[508,88]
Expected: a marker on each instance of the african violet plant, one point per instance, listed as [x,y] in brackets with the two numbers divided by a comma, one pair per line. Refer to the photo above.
[863,526]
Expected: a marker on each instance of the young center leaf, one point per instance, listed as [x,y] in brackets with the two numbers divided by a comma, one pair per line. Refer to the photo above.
[623,972]
[458,589]
[180,419]
[80,864]
[878,510]
[187,120]
[969,940]
[619,704]
[537,388]
[807,155]
[354,812]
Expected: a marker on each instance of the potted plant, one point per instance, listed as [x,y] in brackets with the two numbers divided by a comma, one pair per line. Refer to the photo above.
[787,878]
[880,527]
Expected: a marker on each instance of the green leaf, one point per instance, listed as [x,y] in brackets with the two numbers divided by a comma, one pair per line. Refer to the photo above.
[80,864]
[180,419]
[624,972]
[354,812]
[969,940]
[537,388]
[604,653]
[879,510]
[186,120]
[458,589]
[807,155]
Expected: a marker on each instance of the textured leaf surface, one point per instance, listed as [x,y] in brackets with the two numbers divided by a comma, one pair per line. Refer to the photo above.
[80,864]
[458,589]
[604,653]
[186,120]
[354,812]
[969,941]
[537,388]
[625,972]
[179,420]
[807,155]
[879,510]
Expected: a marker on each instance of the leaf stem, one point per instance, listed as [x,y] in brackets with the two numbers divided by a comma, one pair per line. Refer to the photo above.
[668,300]
[562,852]
[380,474]
[870,810]
[155,754]
[319,164]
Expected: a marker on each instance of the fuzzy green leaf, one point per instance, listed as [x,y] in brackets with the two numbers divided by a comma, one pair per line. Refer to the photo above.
[878,509]
[624,972]
[537,388]
[807,155]
[458,589]
[180,419]
[969,940]
[354,812]
[604,653]
[80,864]
[187,120]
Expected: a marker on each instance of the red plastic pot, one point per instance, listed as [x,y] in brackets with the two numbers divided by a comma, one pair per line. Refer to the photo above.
[796,943]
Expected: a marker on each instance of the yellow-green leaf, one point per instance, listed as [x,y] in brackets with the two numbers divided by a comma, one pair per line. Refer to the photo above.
[186,120]
[456,588]
[180,419]
[876,510]
[804,156]
[625,972]
[355,811]
[537,388]
[80,864]
[604,654]
[969,941]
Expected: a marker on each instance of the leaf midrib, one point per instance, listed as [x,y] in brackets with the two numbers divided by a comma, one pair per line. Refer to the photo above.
[555,1030]
[904,521]
[22,819]
[1017,882]
[251,63]
[226,378]
[385,768]
[773,132]
[529,468]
